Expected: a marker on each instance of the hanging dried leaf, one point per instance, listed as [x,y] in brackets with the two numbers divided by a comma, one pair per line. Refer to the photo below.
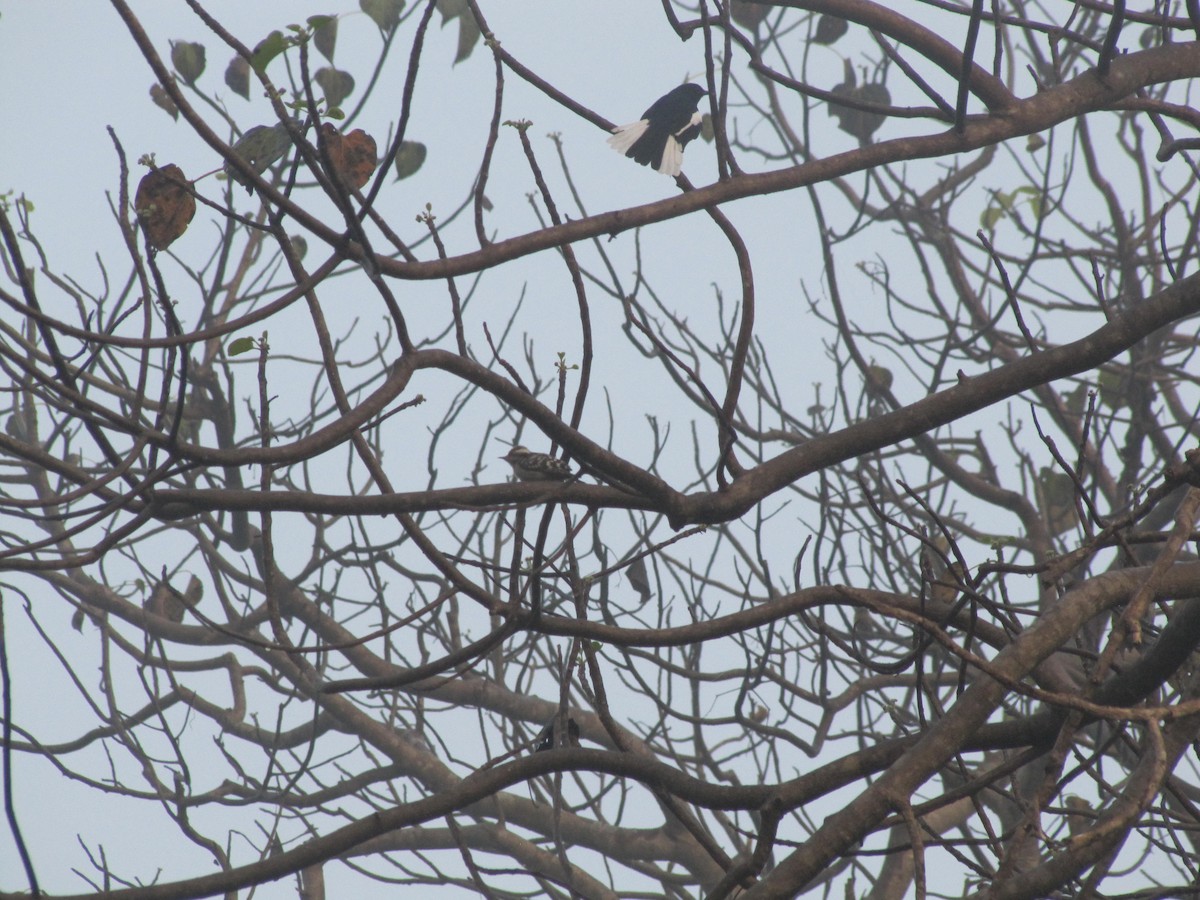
[325,29]
[857,122]
[829,29]
[639,578]
[166,601]
[188,59]
[409,158]
[237,76]
[164,205]
[163,100]
[359,158]
[384,13]
[353,155]
[335,84]
[748,15]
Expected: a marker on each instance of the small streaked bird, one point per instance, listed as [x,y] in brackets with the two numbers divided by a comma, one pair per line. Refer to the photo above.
[657,139]
[530,466]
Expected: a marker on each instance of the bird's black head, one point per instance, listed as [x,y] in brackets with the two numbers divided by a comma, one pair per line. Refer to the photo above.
[692,92]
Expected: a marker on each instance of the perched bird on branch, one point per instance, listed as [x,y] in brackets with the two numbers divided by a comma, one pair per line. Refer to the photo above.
[530,466]
[657,139]
[549,738]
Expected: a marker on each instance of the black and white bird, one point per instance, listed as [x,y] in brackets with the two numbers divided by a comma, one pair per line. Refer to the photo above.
[548,737]
[530,466]
[657,139]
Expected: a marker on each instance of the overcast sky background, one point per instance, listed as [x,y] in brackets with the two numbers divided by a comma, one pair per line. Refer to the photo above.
[71,69]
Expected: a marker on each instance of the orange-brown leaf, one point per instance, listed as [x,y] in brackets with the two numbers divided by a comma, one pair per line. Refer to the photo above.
[164,205]
[359,158]
[333,145]
[353,155]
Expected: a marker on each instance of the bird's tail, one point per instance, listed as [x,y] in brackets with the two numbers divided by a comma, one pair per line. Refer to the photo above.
[625,136]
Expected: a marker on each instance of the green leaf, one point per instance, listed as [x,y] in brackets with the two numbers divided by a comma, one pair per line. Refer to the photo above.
[1113,389]
[1076,400]
[237,76]
[451,9]
[268,48]
[335,84]
[468,37]
[261,146]
[241,345]
[1058,487]
[384,13]
[188,60]
[1032,195]
[1058,492]
[409,158]
[1034,143]
[325,29]
[1007,202]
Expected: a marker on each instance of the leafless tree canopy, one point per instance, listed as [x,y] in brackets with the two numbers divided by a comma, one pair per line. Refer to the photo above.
[874,575]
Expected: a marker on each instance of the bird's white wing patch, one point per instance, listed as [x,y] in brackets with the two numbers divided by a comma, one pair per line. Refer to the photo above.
[672,158]
[625,136]
[696,119]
